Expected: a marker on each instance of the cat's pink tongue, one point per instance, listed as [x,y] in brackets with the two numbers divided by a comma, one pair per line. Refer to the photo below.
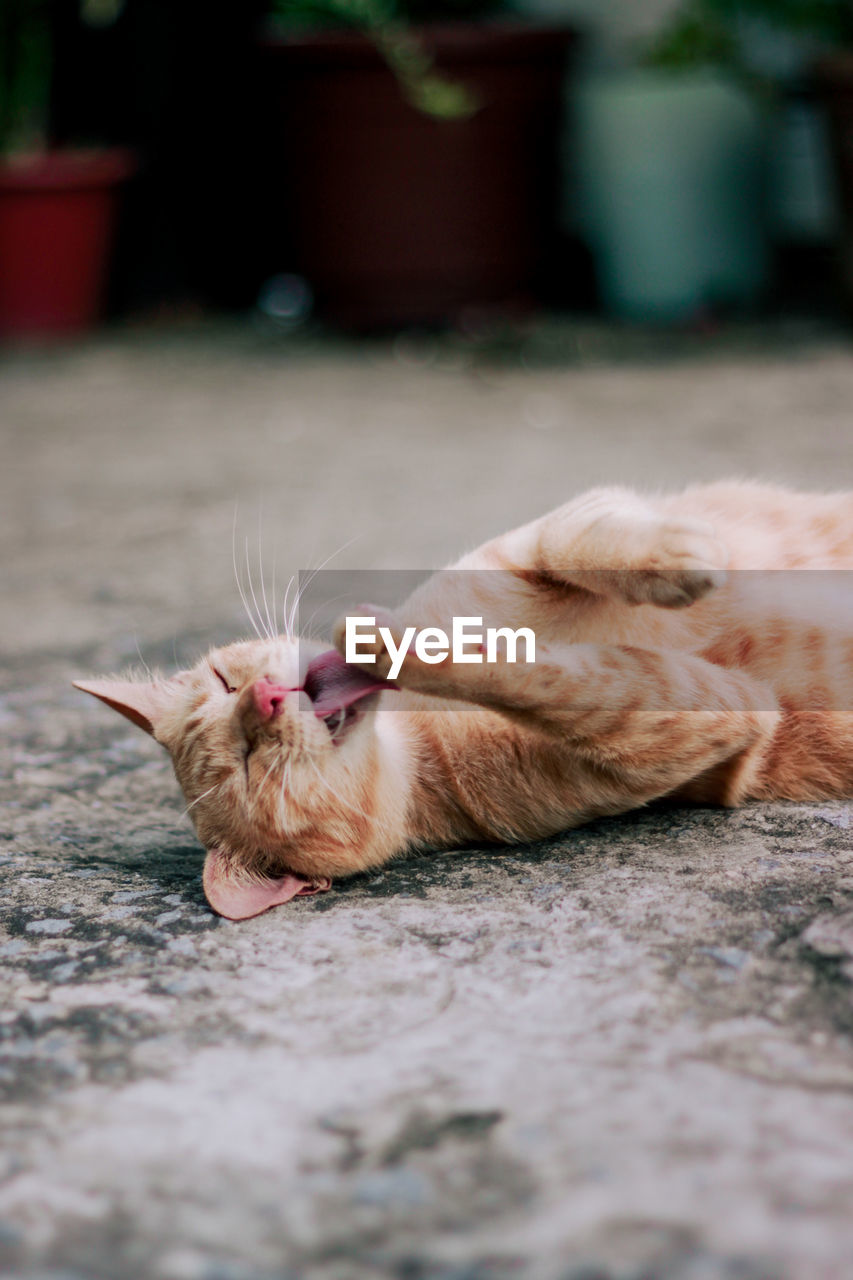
[332,685]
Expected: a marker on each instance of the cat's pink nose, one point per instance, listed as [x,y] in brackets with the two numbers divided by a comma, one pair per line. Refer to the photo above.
[268,698]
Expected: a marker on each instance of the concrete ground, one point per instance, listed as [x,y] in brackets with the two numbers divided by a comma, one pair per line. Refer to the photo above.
[624,1054]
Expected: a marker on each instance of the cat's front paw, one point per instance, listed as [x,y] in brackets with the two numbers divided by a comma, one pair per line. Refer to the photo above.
[683,561]
[370,638]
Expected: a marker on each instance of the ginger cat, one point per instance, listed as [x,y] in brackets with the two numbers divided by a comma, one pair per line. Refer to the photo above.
[663,668]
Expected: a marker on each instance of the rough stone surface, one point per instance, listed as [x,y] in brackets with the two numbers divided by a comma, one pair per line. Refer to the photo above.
[624,1054]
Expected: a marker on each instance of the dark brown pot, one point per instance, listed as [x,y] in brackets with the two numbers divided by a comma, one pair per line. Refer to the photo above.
[397,218]
[835,84]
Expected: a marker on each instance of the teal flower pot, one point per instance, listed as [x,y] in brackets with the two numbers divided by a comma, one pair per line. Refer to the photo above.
[671,176]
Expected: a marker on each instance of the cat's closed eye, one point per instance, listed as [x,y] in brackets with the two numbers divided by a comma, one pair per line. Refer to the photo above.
[229,688]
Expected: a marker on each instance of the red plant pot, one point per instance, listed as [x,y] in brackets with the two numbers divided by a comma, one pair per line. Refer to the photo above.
[397,218]
[57,213]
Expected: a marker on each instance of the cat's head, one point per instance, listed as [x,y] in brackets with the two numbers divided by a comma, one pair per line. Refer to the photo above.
[272,744]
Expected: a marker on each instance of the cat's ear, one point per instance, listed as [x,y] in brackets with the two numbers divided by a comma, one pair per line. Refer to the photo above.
[142,702]
[236,897]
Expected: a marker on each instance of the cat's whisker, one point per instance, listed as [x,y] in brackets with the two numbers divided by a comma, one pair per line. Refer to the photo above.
[303,586]
[285,786]
[270,628]
[347,803]
[203,796]
[254,596]
[306,631]
[237,578]
[287,631]
[263,782]
[291,618]
[145,665]
[274,608]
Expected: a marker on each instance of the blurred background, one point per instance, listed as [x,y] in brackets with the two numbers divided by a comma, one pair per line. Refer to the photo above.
[395,274]
[418,269]
[372,165]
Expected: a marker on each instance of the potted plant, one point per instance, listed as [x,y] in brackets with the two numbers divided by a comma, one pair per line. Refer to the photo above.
[672,171]
[676,156]
[419,156]
[56,205]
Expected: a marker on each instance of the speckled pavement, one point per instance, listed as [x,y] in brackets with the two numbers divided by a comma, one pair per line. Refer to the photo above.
[624,1054]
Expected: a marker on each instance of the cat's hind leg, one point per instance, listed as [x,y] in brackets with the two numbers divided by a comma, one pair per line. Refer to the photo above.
[614,543]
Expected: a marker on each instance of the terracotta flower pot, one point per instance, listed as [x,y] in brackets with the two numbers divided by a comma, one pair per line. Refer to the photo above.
[397,218]
[56,223]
